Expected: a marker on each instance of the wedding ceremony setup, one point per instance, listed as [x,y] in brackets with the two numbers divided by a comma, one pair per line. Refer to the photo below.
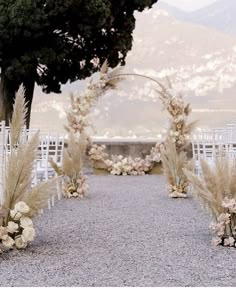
[130,180]
[39,170]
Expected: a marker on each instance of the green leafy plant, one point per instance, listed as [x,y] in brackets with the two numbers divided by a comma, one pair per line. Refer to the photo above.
[60,41]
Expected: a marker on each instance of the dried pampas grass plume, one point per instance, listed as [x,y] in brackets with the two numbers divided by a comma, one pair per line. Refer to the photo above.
[215,184]
[173,164]
[74,155]
[73,161]
[20,165]
[37,198]
[18,176]
[18,117]
[216,191]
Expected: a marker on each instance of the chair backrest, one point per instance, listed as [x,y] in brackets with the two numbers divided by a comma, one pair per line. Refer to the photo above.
[210,143]
[3,153]
[51,147]
[56,147]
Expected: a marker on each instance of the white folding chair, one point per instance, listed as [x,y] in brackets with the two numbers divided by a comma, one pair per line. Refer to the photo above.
[51,147]
[203,147]
[56,147]
[3,155]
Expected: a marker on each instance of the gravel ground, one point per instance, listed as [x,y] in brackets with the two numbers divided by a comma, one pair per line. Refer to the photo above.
[127,232]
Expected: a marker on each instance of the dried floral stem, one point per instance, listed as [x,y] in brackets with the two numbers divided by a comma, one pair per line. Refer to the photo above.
[79,140]
[20,201]
[216,191]
[174,158]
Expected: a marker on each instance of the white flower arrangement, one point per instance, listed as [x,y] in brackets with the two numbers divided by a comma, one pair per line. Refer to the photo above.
[215,188]
[21,202]
[77,189]
[121,165]
[98,157]
[19,230]
[78,121]
[179,131]
[225,227]
[81,105]
[74,181]
[174,156]
[173,163]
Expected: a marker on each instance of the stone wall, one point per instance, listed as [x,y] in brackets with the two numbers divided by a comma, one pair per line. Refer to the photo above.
[134,148]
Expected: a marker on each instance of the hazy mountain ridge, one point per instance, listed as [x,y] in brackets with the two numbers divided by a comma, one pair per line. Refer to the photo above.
[220,15]
[200,61]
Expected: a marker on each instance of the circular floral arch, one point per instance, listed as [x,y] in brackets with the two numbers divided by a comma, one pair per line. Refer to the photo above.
[178,131]
[173,103]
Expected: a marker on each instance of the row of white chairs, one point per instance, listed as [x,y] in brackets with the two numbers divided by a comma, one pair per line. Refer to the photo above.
[208,144]
[50,147]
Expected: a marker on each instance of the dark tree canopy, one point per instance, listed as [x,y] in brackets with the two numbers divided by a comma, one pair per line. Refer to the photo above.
[50,42]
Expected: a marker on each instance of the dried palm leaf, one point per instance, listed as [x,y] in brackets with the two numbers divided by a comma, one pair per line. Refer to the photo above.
[56,168]
[20,165]
[37,198]
[67,164]
[187,109]
[190,127]
[201,192]
[104,67]
[18,176]
[169,82]
[18,117]
[216,183]
[74,155]
[173,164]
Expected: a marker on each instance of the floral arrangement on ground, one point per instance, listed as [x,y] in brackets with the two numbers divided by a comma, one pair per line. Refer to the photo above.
[215,189]
[121,165]
[174,157]
[20,201]
[74,180]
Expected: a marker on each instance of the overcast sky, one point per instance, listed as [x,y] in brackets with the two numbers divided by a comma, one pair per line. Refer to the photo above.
[188,4]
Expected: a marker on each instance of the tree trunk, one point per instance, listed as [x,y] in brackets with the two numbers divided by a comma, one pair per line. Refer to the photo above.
[29,85]
[8,90]
[7,94]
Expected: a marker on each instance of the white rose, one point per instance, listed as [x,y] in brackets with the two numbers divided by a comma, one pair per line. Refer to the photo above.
[15,215]
[26,222]
[22,207]
[7,241]
[12,227]
[28,234]
[108,163]
[20,242]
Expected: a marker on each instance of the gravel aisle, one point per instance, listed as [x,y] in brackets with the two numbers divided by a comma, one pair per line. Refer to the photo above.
[127,232]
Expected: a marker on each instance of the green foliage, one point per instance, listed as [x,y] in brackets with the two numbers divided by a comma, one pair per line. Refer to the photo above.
[54,37]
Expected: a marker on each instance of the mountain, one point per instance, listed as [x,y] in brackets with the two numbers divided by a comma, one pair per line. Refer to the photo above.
[220,15]
[201,62]
[173,10]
